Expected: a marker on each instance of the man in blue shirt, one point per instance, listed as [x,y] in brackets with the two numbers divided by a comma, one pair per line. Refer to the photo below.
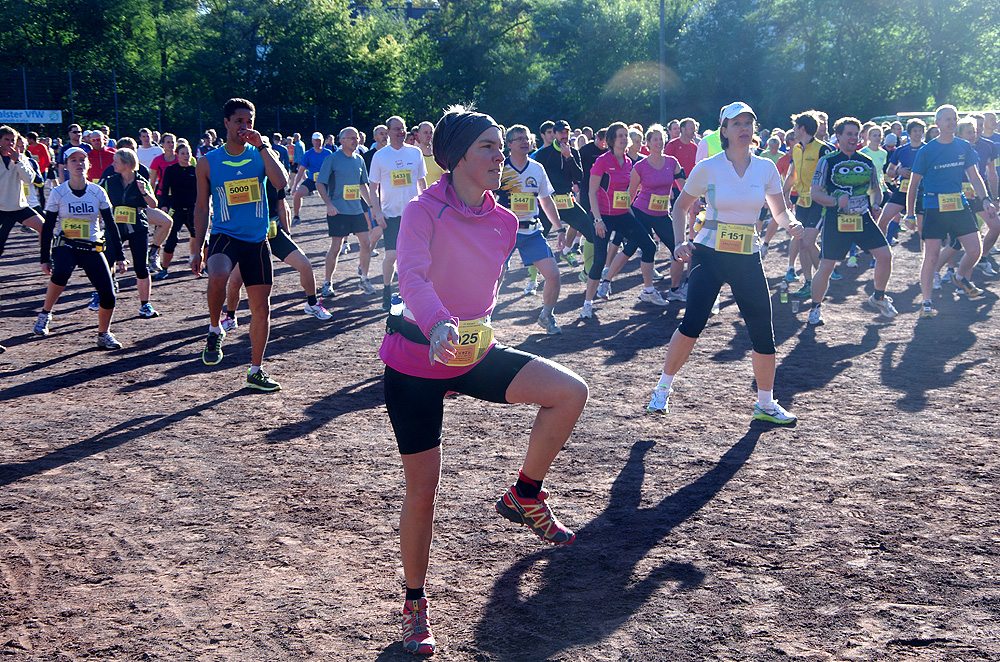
[309,167]
[939,166]
[233,177]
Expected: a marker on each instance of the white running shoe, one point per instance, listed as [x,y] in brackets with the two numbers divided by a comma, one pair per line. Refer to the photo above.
[773,413]
[883,306]
[658,405]
[345,248]
[816,316]
[327,290]
[987,268]
[366,285]
[653,297]
[715,306]
[587,312]
[531,287]
[548,322]
[317,311]
[41,327]
[107,340]
[676,295]
[937,281]
[604,289]
[229,323]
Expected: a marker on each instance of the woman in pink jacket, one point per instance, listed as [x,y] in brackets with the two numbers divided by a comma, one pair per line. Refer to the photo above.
[443,342]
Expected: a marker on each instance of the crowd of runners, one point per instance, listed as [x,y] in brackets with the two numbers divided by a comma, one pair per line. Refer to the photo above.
[450,203]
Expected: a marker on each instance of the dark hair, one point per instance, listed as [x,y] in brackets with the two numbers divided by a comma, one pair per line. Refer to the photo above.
[843,122]
[235,104]
[612,134]
[546,125]
[601,133]
[8,131]
[125,142]
[32,135]
[807,121]
[914,123]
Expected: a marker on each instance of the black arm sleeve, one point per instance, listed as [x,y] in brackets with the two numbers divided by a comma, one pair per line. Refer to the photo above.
[114,241]
[164,201]
[571,166]
[46,239]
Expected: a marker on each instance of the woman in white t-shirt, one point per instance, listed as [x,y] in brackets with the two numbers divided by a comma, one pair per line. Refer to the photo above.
[735,184]
[79,231]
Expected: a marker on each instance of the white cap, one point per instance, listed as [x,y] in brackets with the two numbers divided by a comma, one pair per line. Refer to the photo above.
[71,151]
[891,139]
[317,136]
[734,109]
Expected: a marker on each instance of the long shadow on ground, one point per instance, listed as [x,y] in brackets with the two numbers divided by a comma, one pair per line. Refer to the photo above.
[590,588]
[123,433]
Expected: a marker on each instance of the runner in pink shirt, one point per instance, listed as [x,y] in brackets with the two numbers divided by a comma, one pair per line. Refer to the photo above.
[610,177]
[441,341]
[649,189]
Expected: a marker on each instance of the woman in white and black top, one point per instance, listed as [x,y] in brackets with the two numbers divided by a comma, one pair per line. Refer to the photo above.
[78,214]
[736,184]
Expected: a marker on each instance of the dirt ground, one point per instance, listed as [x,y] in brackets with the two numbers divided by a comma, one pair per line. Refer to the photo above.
[151,509]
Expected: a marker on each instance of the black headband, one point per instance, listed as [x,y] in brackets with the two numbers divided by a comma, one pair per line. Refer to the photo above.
[455,133]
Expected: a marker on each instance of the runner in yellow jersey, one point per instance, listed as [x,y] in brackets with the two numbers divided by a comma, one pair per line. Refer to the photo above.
[805,155]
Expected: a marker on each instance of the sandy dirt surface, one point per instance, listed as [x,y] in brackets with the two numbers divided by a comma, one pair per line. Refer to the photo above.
[152,509]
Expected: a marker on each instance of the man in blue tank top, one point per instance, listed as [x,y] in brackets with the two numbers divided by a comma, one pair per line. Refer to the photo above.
[234,178]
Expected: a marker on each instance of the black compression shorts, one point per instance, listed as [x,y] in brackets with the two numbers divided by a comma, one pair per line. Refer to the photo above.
[416,404]
[254,258]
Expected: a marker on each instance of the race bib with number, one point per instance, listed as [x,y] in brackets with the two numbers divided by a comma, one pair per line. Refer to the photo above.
[563,201]
[805,200]
[968,190]
[522,203]
[659,202]
[474,339]
[849,222]
[243,191]
[401,178]
[272,229]
[620,200]
[125,215]
[352,192]
[75,228]
[904,185]
[734,238]
[950,202]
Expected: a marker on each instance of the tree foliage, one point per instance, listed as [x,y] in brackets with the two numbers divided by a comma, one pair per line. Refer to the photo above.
[588,61]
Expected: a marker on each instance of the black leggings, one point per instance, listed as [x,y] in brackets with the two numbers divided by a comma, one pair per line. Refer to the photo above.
[663,226]
[138,243]
[416,404]
[581,221]
[94,264]
[745,275]
[183,218]
[636,236]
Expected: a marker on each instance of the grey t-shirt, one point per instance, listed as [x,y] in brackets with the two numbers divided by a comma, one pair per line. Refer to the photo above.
[340,172]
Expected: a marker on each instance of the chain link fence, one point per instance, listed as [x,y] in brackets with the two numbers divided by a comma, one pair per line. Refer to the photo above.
[95,97]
